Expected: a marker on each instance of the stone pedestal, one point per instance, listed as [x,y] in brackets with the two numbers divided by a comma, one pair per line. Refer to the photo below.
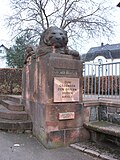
[52,95]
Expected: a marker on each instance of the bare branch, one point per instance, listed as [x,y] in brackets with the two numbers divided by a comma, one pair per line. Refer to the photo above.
[78,17]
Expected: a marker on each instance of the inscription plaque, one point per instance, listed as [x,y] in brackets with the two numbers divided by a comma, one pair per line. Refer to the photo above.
[67,115]
[66,89]
[61,71]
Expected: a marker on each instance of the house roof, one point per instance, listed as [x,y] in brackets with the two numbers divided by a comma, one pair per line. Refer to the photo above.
[2,45]
[107,51]
[118,5]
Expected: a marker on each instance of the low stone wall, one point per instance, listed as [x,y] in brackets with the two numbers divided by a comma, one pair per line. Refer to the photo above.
[102,110]
[109,113]
[103,113]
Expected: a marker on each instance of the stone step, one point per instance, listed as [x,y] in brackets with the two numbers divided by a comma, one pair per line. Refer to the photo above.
[12,115]
[12,105]
[15,125]
[15,98]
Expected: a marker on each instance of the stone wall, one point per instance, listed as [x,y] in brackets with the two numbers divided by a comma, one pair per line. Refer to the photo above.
[102,111]
[106,111]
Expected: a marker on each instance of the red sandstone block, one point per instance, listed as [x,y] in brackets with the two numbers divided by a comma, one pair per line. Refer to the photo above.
[84,134]
[53,111]
[56,138]
[75,123]
[86,114]
[72,136]
[51,126]
[52,123]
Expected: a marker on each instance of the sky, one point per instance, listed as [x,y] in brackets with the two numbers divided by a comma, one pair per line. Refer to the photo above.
[4,10]
[5,37]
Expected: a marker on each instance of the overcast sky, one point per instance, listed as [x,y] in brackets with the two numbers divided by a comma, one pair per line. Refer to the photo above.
[4,10]
[5,37]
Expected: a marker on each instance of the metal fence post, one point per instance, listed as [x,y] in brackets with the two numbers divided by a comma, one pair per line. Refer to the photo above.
[98,81]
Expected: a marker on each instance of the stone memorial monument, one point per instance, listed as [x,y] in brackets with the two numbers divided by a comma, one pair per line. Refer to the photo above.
[52,90]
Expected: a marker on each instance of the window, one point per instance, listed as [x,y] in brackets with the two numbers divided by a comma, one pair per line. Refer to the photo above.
[0,51]
[100,61]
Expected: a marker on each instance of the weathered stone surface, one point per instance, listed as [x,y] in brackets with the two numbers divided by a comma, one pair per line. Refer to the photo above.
[105,157]
[12,105]
[77,147]
[94,113]
[55,40]
[53,110]
[104,127]
[16,125]
[91,152]
[111,109]
[55,139]
[118,110]
[52,126]
[53,59]
[102,113]
[84,134]
[107,123]
[72,135]
[99,149]
[13,117]
[116,118]
[86,114]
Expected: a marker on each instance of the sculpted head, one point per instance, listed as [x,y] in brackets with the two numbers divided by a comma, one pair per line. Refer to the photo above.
[54,36]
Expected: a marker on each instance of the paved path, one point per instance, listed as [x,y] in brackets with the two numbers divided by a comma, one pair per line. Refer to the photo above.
[26,147]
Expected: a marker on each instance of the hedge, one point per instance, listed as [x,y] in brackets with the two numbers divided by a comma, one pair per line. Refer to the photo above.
[10,81]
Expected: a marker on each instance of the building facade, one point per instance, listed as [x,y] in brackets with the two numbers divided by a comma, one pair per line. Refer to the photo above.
[3,61]
[106,56]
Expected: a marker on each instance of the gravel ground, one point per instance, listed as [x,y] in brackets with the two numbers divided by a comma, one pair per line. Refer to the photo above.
[106,148]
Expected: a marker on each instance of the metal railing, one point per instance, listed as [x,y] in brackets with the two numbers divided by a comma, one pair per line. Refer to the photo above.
[101,80]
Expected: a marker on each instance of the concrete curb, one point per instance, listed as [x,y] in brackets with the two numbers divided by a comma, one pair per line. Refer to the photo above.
[91,152]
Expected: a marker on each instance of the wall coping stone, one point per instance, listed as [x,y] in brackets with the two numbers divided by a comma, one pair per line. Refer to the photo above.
[104,127]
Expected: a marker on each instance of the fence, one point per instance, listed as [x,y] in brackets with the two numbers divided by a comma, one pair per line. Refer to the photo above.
[101,80]
[10,81]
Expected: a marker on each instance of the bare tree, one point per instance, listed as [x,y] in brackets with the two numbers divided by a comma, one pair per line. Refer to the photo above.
[81,18]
